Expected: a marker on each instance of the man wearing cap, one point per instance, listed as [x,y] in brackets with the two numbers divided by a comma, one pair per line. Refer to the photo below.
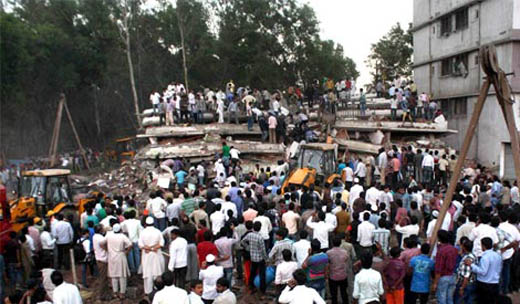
[445,223]
[118,245]
[209,277]
[151,242]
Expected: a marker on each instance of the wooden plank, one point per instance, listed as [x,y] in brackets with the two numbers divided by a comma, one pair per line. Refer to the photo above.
[460,161]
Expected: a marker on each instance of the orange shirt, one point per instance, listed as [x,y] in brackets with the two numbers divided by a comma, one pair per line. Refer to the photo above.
[396,164]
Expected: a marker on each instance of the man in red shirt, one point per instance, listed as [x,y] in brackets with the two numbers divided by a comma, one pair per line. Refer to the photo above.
[206,247]
[201,229]
[445,263]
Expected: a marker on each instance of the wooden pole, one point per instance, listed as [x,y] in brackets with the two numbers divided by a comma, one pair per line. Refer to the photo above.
[503,97]
[460,161]
[53,150]
[81,150]
[73,266]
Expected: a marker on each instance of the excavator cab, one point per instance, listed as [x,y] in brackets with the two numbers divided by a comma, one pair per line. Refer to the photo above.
[39,192]
[316,162]
[126,148]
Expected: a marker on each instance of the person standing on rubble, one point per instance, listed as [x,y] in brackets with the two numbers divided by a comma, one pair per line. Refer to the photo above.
[233,111]
[362,102]
[170,108]
[272,129]
[155,100]
[264,127]
[151,241]
[220,110]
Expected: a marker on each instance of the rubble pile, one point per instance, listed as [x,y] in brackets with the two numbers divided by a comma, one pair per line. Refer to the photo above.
[129,179]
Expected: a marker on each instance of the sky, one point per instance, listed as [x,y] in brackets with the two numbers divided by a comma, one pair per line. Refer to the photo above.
[356,24]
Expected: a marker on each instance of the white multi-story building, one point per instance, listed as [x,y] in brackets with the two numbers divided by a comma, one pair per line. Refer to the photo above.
[447,35]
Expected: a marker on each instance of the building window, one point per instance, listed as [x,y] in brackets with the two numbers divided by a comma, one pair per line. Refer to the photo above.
[455,66]
[460,106]
[446,109]
[446,25]
[461,19]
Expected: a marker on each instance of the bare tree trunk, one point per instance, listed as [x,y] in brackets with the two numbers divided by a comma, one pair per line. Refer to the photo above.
[181,30]
[126,36]
[132,79]
[96,111]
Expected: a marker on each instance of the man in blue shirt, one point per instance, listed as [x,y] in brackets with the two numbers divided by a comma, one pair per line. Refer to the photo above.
[422,267]
[488,272]
[180,175]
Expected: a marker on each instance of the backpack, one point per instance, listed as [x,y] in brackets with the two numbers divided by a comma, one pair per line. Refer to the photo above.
[79,252]
[80,255]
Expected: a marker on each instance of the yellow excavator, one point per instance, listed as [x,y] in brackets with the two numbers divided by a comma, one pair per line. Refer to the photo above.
[42,193]
[316,162]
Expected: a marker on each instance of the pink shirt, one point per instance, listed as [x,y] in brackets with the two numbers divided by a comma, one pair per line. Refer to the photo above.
[272,122]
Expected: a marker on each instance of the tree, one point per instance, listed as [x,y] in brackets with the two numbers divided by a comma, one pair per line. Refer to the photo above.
[391,56]
[107,56]
[126,12]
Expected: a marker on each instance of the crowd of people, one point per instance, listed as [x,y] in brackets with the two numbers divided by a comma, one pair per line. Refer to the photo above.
[359,238]
[272,111]
[224,234]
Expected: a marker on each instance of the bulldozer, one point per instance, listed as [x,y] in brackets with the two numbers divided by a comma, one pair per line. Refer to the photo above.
[42,193]
[316,162]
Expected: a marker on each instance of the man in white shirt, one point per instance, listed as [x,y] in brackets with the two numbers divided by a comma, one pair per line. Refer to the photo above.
[372,195]
[408,230]
[178,263]
[466,228]
[320,229]
[365,233]
[48,244]
[368,283]
[209,277]
[174,208]
[507,225]
[228,205]
[158,208]
[290,220]
[297,293]
[285,269]
[64,235]
[170,293]
[482,230]
[355,191]
[155,100]
[266,224]
[150,242]
[196,292]
[226,296]
[427,165]
[64,293]
[301,248]
[382,160]
[445,223]
[217,219]
[349,177]
[361,171]
[132,228]
[101,288]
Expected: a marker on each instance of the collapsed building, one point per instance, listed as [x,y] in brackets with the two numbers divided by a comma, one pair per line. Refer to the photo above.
[352,134]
